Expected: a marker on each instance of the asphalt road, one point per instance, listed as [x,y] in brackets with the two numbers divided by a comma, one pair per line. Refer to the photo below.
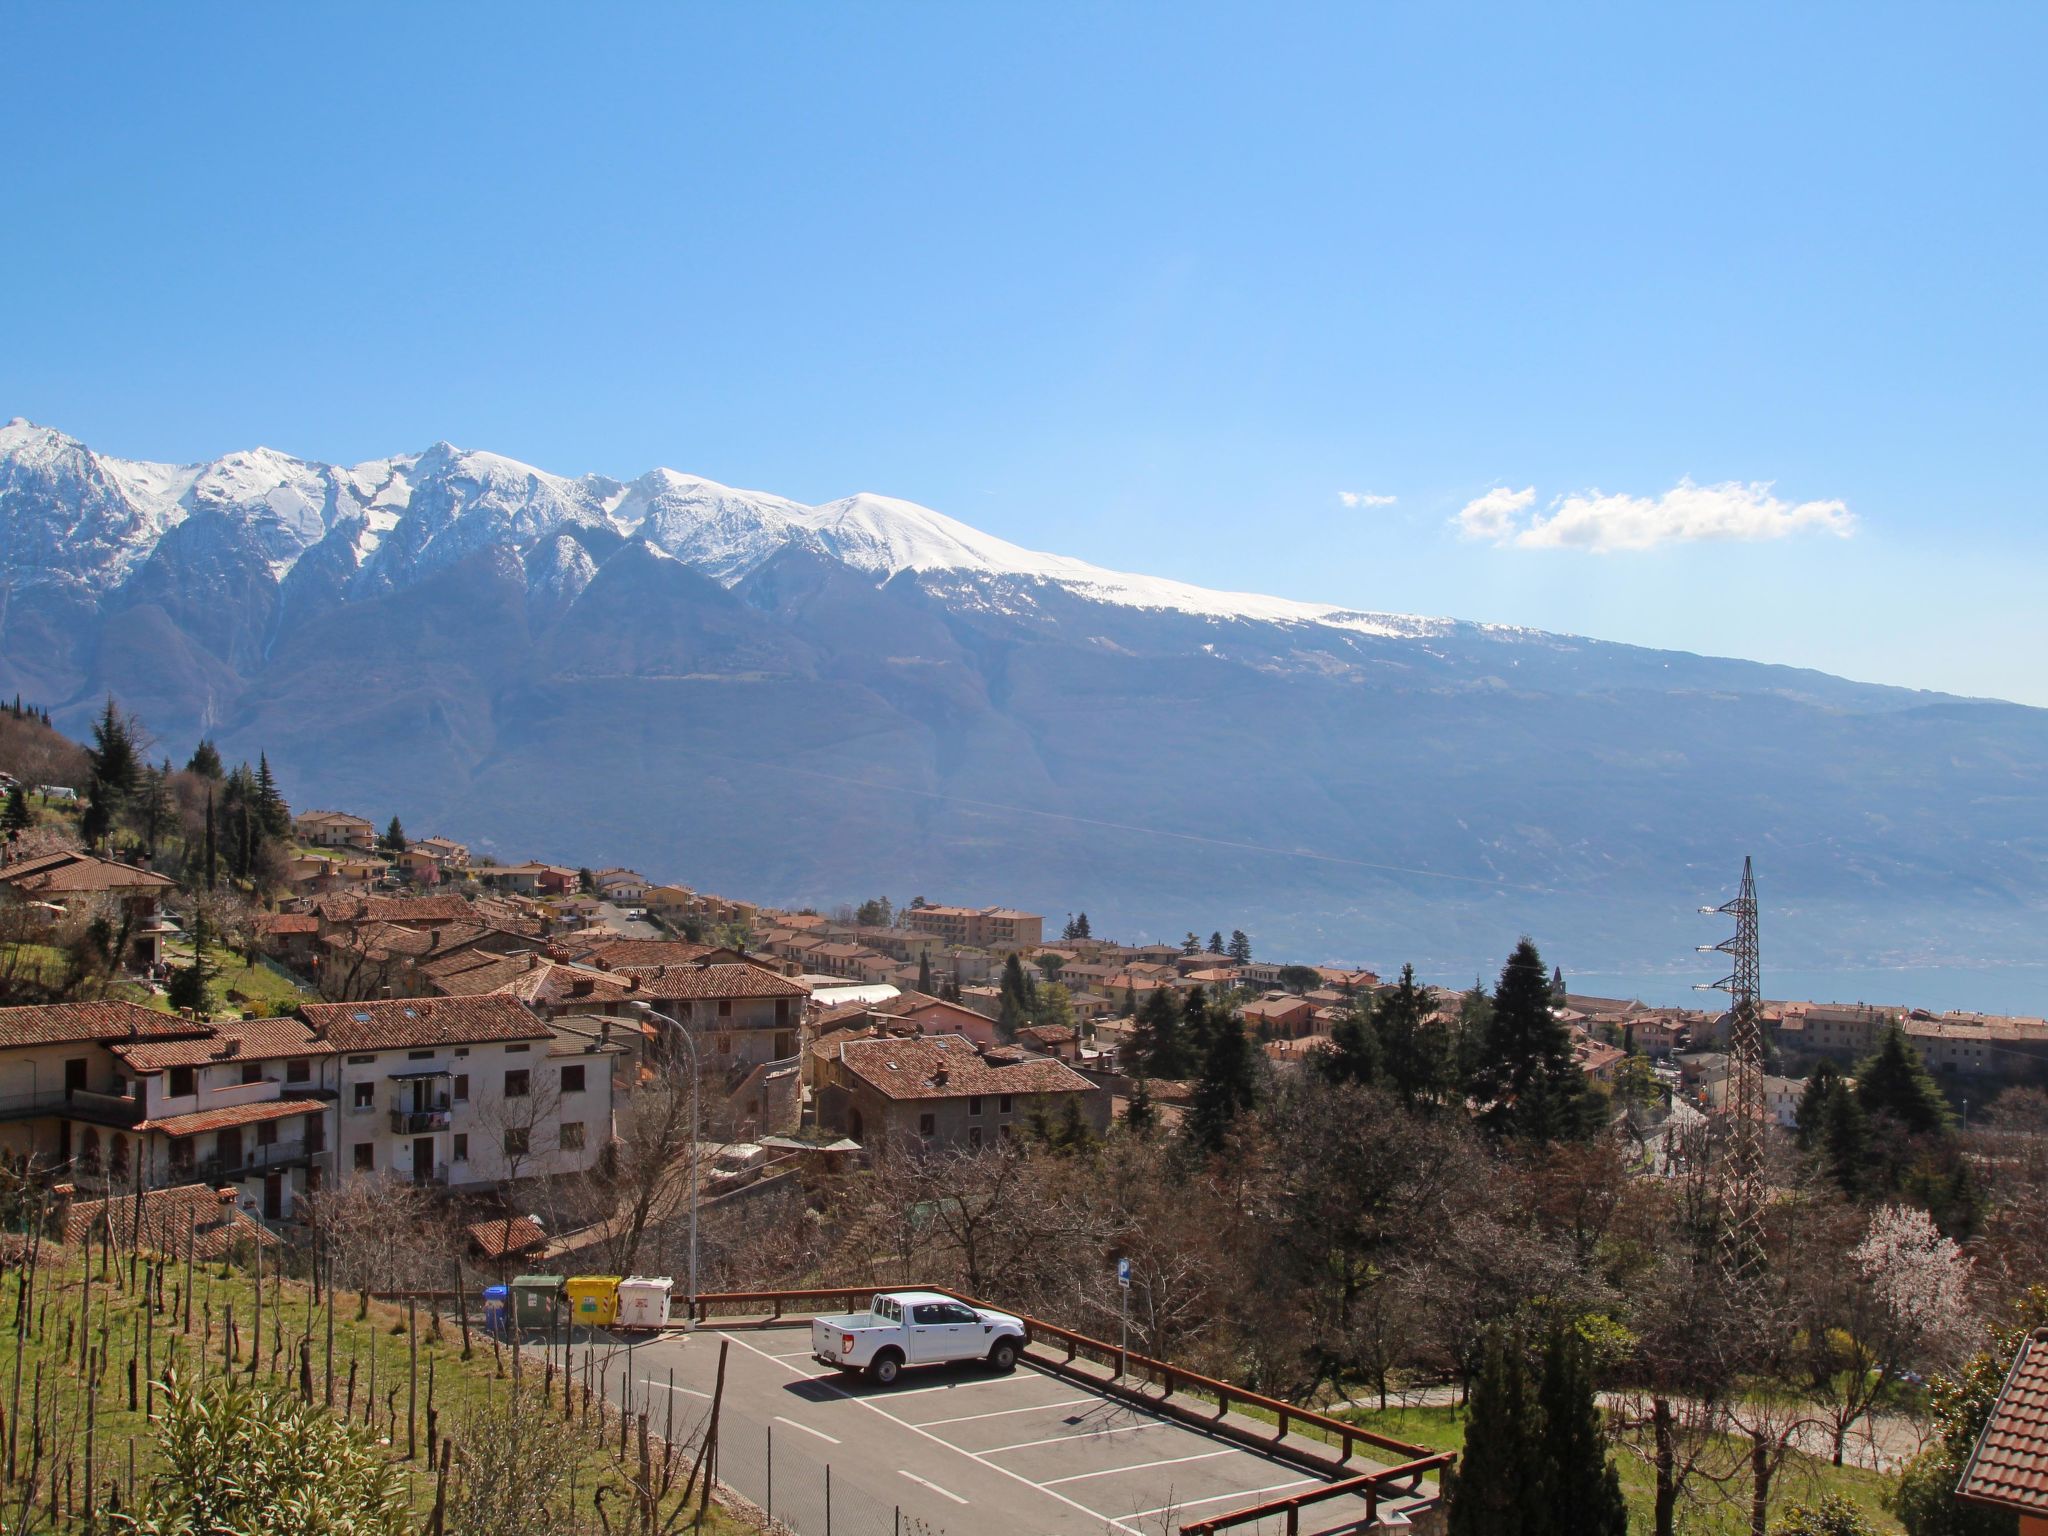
[950,1449]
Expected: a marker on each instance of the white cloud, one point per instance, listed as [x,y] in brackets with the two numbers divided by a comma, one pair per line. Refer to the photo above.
[1364,499]
[1687,513]
[1493,515]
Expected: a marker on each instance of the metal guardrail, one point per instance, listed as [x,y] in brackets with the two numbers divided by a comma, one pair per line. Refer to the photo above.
[1402,1481]
[418,1122]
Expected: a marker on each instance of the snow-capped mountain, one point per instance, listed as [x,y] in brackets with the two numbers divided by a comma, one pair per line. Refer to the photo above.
[822,703]
[397,520]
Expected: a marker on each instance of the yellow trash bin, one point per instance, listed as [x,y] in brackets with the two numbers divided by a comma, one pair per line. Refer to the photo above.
[593,1300]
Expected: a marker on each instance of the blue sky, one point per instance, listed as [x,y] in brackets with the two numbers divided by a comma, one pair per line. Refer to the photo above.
[1149,285]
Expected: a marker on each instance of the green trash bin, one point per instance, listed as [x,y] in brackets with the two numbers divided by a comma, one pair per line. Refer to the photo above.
[537,1303]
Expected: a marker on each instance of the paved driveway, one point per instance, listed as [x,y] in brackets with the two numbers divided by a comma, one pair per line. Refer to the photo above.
[949,1449]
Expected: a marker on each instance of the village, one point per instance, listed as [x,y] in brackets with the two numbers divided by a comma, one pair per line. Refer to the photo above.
[421,1061]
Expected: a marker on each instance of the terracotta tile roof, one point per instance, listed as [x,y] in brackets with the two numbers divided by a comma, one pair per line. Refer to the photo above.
[64,1023]
[287,922]
[910,1069]
[713,981]
[616,952]
[67,874]
[499,1238]
[169,1220]
[235,1114]
[1046,1034]
[252,1039]
[2009,1467]
[400,1024]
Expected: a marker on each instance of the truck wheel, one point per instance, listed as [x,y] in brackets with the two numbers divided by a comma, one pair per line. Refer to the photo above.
[1004,1356]
[883,1368]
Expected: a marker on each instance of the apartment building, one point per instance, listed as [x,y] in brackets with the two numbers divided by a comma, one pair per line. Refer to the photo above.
[978,927]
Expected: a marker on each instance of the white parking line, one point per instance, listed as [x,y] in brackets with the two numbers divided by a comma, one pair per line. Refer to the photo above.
[928,1483]
[1119,1429]
[993,1466]
[795,1354]
[1140,1466]
[952,1386]
[1001,1413]
[649,1381]
[792,1423]
[1249,1493]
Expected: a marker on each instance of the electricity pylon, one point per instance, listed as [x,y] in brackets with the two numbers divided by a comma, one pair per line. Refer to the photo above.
[1742,1160]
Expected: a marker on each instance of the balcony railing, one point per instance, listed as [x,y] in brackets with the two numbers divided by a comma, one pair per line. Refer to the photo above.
[418,1122]
[78,1104]
[251,1160]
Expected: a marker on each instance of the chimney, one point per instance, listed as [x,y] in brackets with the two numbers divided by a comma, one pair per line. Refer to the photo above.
[939,1077]
[226,1194]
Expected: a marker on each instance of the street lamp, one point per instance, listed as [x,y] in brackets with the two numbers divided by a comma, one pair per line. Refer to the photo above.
[696,1078]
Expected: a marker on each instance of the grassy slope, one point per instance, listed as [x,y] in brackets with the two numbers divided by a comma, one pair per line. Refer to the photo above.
[1717,1510]
[457,1383]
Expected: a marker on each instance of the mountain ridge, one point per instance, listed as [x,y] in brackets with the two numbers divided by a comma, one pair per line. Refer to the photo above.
[814,704]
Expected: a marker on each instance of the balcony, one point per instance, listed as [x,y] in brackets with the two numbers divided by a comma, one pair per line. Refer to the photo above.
[78,1104]
[251,1160]
[418,1122]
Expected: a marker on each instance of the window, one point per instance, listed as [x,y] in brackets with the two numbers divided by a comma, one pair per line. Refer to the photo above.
[953,1312]
[518,1082]
[366,1156]
[362,1061]
[974,1136]
[462,1087]
[1003,1105]
[928,1312]
[266,1133]
[298,1071]
[570,1138]
[252,1072]
[927,1125]
[725,1044]
[419,1055]
[974,1103]
[572,1079]
[725,1007]
[461,1051]
[782,1010]
[517,1140]
[365,1096]
[182,1084]
[515,1050]
[461,1153]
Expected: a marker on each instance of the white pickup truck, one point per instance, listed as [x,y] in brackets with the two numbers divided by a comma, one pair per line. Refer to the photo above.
[916,1328]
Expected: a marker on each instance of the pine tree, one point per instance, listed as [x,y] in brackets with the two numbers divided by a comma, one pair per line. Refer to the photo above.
[1156,1044]
[111,773]
[206,761]
[1525,1075]
[1895,1083]
[1226,1088]
[1415,1054]
[276,816]
[393,840]
[1191,944]
[1499,1488]
[1081,929]
[1216,942]
[1140,1117]
[1353,1054]
[1845,1140]
[1197,1028]
[924,972]
[17,817]
[187,987]
[1240,947]
[1812,1112]
[1582,1487]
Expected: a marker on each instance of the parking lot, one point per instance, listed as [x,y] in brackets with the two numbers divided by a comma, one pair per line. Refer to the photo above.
[950,1449]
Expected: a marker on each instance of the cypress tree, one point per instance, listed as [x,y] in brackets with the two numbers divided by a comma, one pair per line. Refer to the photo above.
[16,817]
[924,972]
[212,851]
[1139,1115]
[1499,1490]
[1583,1488]
[1017,1002]
[1226,1088]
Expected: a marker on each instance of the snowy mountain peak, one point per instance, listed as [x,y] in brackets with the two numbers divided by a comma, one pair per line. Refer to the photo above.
[84,520]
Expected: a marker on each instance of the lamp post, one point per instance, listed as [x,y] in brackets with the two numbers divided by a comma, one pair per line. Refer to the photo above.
[696,1079]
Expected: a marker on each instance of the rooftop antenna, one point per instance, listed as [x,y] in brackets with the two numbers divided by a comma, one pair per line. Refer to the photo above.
[1742,1163]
